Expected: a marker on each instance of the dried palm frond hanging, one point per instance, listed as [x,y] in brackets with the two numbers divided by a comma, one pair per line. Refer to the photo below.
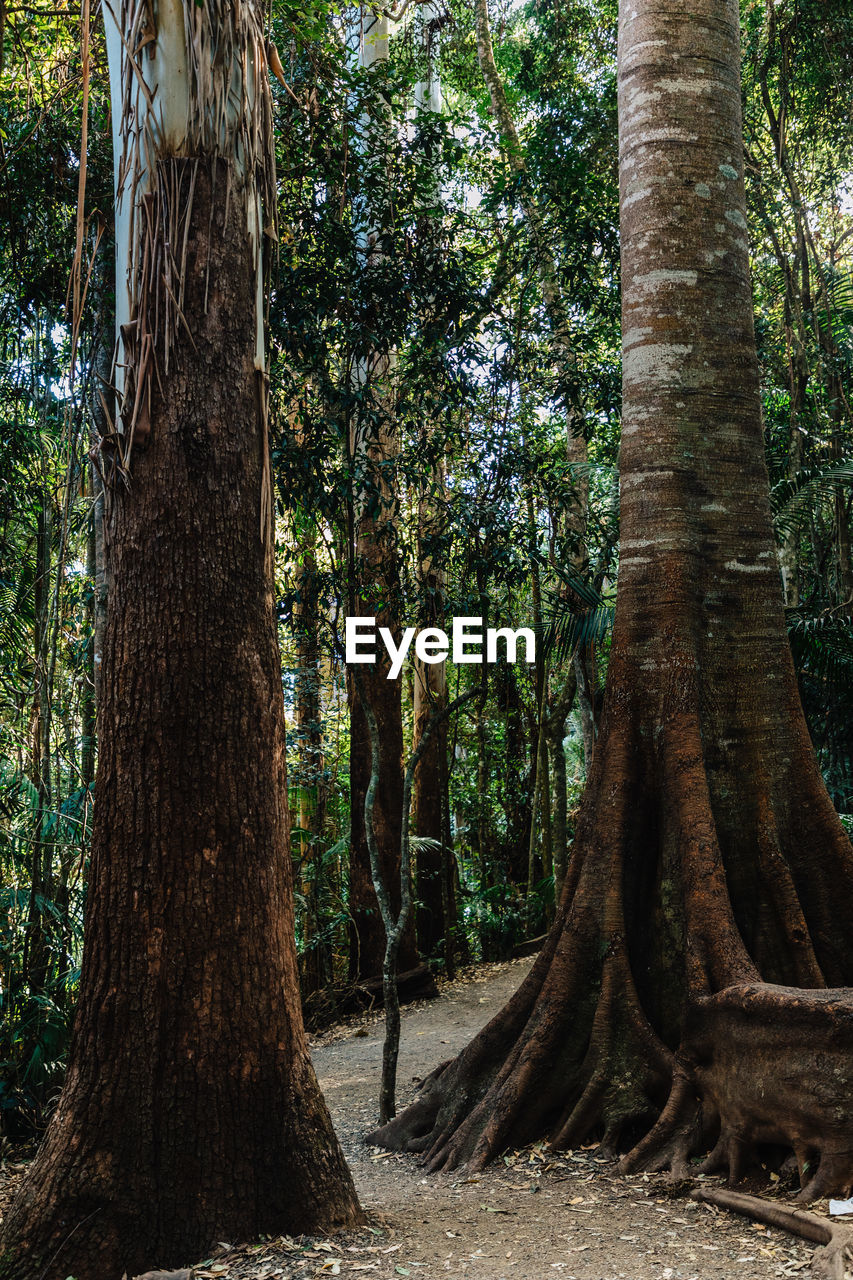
[190,86]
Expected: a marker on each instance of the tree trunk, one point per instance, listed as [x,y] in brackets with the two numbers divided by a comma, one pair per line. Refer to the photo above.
[436,890]
[708,855]
[316,958]
[96,564]
[367,944]
[555,727]
[484,838]
[35,961]
[190,1112]
[516,786]
[375,570]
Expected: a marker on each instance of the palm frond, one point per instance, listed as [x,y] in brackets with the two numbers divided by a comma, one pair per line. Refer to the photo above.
[574,617]
[822,648]
[789,498]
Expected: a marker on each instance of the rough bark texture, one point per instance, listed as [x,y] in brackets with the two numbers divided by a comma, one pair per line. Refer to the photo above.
[708,855]
[191,1112]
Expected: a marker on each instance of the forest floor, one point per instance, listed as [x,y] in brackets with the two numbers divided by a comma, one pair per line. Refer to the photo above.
[529,1216]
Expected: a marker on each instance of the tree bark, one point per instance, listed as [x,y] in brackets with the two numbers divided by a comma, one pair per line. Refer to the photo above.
[190,1111]
[708,855]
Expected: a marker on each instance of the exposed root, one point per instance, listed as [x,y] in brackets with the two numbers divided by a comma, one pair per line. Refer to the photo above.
[669,1144]
[448,1094]
[836,1238]
[553,1078]
[762,1064]
[626,1066]
[583,1046]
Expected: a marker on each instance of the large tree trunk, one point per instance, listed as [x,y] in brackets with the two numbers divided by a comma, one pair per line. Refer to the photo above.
[708,855]
[190,1112]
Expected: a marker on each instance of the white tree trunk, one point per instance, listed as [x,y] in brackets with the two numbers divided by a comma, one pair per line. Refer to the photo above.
[178,89]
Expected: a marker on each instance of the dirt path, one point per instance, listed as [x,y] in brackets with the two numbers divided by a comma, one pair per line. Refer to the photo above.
[528,1217]
[531,1216]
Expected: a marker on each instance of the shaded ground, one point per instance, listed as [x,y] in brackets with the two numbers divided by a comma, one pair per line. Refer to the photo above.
[528,1217]
[532,1215]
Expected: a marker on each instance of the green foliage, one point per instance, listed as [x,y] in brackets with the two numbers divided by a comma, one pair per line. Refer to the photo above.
[407,304]
[822,645]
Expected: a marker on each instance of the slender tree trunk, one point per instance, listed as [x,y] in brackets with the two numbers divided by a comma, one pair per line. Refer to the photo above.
[799,378]
[560,704]
[555,727]
[516,791]
[102,407]
[584,665]
[435,894]
[315,960]
[540,759]
[484,850]
[844,557]
[367,946]
[35,959]
[87,695]
[96,566]
[436,915]
[373,449]
[709,864]
[436,888]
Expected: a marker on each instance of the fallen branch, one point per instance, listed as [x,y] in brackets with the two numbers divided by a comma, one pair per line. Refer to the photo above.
[828,1262]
